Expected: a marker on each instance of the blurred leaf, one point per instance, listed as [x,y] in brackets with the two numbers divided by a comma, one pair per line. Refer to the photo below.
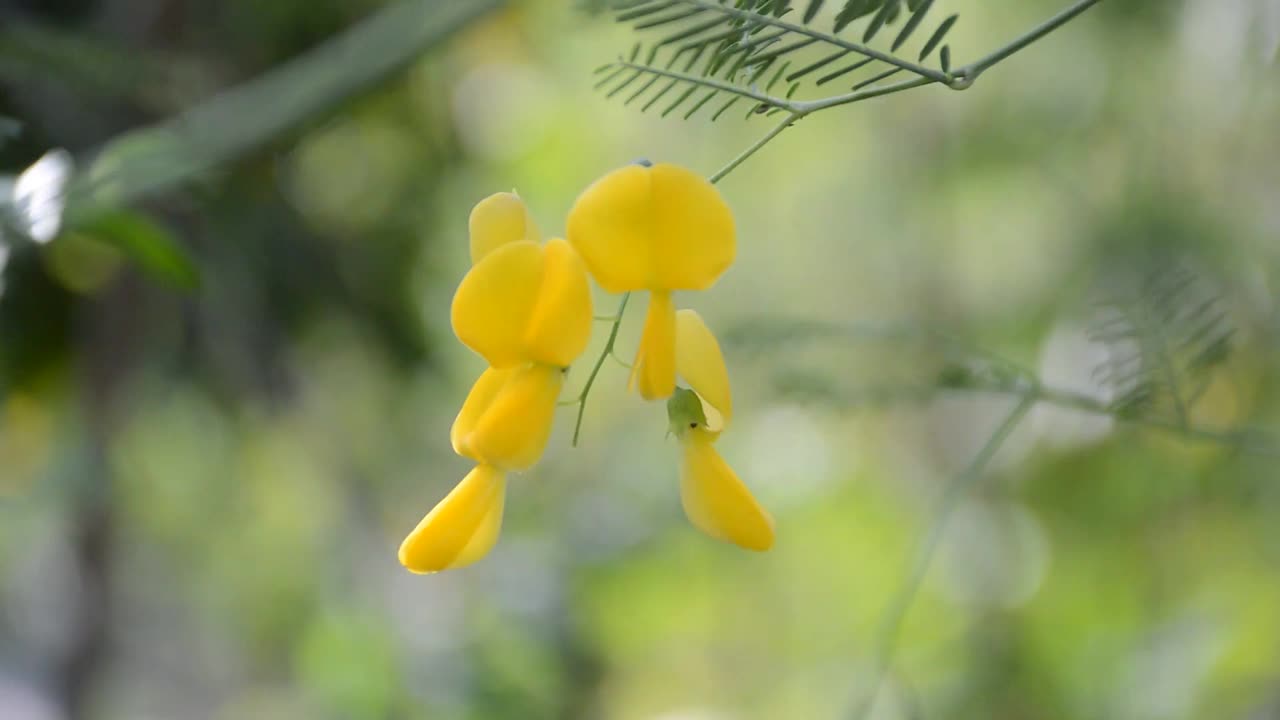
[152,159]
[149,244]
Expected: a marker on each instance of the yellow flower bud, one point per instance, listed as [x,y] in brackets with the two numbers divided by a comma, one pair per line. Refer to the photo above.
[497,220]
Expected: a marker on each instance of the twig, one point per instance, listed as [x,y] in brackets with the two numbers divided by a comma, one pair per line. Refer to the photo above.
[887,638]
[595,370]
[971,71]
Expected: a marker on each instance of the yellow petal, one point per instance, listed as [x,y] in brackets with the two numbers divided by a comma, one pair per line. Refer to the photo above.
[560,324]
[716,501]
[492,304]
[610,225]
[482,394]
[693,230]
[654,371]
[461,528]
[513,431]
[662,227]
[497,220]
[700,362]
[487,532]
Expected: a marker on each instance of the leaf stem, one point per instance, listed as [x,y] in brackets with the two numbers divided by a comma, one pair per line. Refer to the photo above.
[970,72]
[833,40]
[595,370]
[891,624]
[804,108]
[764,140]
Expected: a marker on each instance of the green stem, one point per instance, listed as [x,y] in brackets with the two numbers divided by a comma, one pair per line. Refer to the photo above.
[887,638]
[805,108]
[971,71]
[595,370]
[764,140]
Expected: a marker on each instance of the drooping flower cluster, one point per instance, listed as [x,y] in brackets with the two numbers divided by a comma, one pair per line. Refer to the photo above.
[525,307]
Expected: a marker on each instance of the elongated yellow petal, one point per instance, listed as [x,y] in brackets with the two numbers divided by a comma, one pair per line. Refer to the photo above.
[461,528]
[700,362]
[492,304]
[654,370]
[560,324]
[645,228]
[716,501]
[611,227]
[482,395]
[486,533]
[497,220]
[513,431]
[693,230]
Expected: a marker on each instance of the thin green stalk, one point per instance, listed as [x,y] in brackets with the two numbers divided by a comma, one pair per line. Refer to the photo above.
[971,71]
[764,140]
[595,370]
[805,108]
[887,638]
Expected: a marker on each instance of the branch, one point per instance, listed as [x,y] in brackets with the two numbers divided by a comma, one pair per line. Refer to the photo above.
[887,638]
[970,72]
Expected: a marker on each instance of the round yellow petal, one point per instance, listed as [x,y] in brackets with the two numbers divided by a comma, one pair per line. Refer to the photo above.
[491,307]
[654,370]
[497,220]
[716,501]
[461,528]
[610,225]
[513,431]
[482,395]
[560,324]
[693,230]
[700,362]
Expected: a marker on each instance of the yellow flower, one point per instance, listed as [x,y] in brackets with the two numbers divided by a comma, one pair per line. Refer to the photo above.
[506,419]
[497,220]
[714,499]
[525,308]
[525,302]
[462,528]
[661,229]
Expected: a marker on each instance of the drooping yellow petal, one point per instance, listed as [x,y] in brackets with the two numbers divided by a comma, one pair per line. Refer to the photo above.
[560,324]
[693,230]
[487,532]
[654,370]
[491,307]
[497,220]
[716,501]
[700,362]
[611,227]
[461,528]
[513,431]
[662,227]
[482,395]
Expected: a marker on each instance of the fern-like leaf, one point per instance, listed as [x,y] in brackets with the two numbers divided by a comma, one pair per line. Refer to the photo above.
[763,51]
[1166,327]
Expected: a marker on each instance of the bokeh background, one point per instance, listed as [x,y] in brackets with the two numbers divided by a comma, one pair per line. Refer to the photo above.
[202,488]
